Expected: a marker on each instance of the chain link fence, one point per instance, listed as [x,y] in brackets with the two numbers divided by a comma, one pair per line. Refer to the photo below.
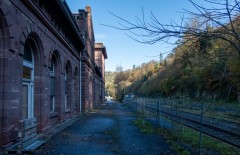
[219,121]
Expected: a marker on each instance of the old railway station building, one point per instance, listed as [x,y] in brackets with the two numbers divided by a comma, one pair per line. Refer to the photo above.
[50,66]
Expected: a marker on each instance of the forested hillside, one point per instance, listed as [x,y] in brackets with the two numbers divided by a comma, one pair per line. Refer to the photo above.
[109,86]
[198,67]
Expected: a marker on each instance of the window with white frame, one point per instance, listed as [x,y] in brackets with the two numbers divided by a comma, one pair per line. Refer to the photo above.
[28,81]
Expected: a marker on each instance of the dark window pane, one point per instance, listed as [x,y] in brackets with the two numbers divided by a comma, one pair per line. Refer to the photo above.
[52,86]
[27,53]
[52,73]
[66,87]
[52,103]
[52,67]
[25,102]
[27,72]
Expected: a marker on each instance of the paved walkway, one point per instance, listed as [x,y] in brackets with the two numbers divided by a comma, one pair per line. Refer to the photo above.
[109,129]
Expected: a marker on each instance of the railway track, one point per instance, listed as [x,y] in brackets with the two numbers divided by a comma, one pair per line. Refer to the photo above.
[226,131]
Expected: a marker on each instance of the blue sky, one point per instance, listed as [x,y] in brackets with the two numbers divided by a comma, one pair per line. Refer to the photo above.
[121,49]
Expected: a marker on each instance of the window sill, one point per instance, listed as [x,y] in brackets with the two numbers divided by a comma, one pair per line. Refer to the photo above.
[53,114]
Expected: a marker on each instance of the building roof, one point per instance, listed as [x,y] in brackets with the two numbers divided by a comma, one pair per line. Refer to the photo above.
[68,14]
[103,48]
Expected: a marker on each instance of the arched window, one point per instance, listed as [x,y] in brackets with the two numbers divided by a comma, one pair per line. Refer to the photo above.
[68,80]
[76,88]
[66,90]
[52,85]
[28,79]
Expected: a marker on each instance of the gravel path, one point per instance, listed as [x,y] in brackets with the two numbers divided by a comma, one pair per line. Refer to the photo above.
[109,129]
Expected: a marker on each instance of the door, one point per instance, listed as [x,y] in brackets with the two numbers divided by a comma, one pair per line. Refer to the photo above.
[28,80]
[28,106]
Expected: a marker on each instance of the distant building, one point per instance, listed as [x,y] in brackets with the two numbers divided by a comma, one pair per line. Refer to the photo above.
[47,64]
[84,21]
[100,56]
[92,62]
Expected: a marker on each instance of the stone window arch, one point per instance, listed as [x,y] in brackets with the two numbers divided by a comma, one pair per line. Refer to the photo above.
[76,89]
[52,84]
[30,47]
[32,66]
[54,75]
[68,81]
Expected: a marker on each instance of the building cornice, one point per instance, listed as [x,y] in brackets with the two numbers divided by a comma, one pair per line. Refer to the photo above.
[46,21]
[102,48]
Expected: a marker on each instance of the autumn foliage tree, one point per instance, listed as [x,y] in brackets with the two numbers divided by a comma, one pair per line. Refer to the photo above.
[206,68]
[205,61]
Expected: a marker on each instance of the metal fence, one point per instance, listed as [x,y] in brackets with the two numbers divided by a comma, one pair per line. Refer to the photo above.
[218,121]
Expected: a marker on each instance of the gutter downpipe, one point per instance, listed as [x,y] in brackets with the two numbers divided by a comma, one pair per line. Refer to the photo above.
[80,82]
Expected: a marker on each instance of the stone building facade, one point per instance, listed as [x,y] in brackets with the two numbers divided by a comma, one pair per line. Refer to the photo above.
[91,72]
[100,56]
[46,65]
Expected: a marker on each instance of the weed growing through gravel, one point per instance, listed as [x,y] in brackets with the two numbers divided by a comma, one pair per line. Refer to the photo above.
[147,128]
[144,126]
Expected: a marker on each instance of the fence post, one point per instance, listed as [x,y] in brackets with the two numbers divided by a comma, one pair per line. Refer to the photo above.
[130,104]
[200,134]
[139,104]
[136,104]
[171,101]
[138,101]
[144,103]
[158,112]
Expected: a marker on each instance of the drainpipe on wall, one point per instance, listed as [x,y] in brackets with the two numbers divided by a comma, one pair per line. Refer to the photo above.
[80,82]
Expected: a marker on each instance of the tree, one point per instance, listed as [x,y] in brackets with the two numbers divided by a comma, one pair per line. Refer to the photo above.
[109,83]
[120,83]
[218,22]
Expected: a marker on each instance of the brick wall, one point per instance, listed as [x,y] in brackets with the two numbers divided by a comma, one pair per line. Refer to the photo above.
[84,20]
[18,23]
[100,56]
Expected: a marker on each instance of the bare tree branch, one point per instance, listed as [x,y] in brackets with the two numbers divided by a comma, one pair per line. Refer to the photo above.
[218,21]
